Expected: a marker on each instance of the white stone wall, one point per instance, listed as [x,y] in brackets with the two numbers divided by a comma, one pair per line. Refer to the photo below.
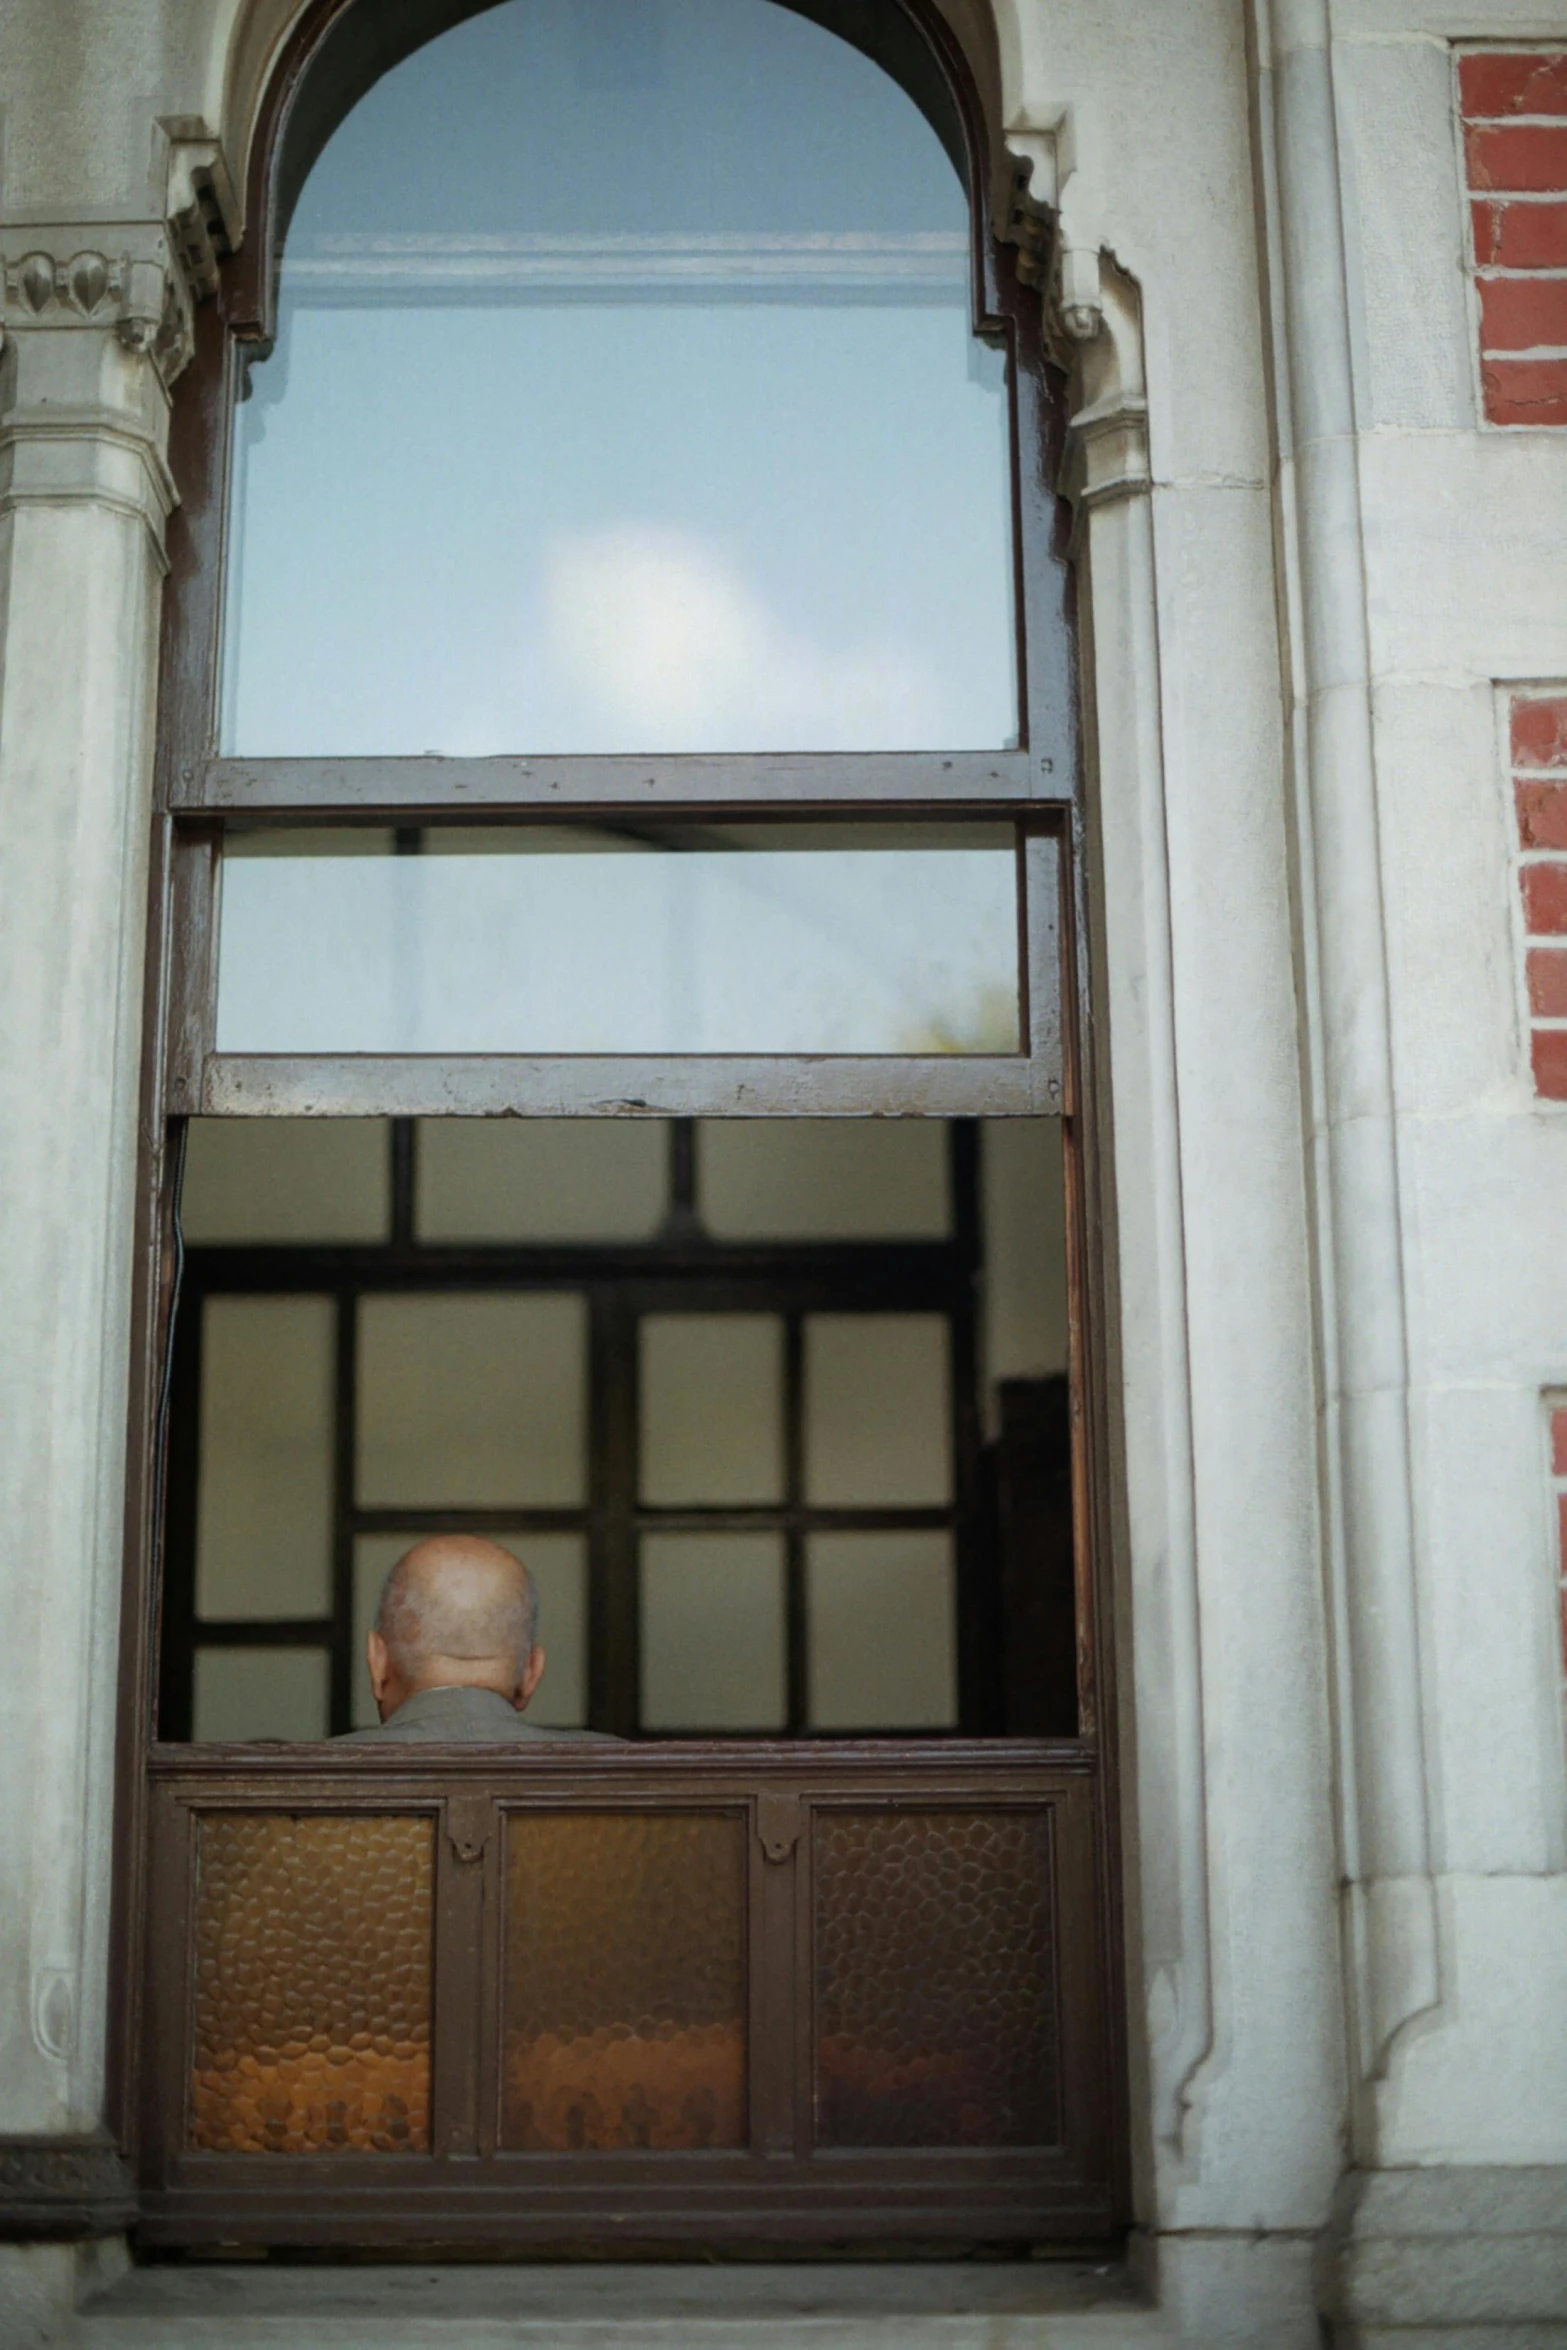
[1465,526]
[1339,1646]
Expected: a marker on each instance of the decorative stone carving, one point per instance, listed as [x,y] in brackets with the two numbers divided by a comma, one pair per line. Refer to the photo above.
[137,287]
[63,2190]
[203,211]
[1067,274]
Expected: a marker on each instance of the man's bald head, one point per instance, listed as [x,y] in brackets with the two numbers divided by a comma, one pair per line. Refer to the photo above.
[456,1612]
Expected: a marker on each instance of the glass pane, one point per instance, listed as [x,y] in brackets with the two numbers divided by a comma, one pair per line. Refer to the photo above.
[712,1408]
[823,1178]
[243,1693]
[559,1566]
[264,1492]
[543,939]
[882,1635]
[472,1401]
[541,1178]
[1024,1210]
[624,2017]
[268,1179]
[713,1632]
[312,1985]
[935,1979]
[878,1418]
[597,306]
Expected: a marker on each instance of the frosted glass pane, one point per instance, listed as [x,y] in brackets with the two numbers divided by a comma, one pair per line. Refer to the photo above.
[712,1408]
[268,1179]
[559,1566]
[823,1178]
[476,1401]
[1024,1211]
[260,1693]
[771,938]
[264,1489]
[558,535]
[878,1424]
[541,1178]
[713,1632]
[881,1643]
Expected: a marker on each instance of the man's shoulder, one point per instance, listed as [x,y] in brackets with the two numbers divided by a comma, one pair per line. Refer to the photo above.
[468,1716]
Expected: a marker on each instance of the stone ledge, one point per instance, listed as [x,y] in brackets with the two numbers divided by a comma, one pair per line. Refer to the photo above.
[63,2190]
[1457,2256]
[860,2306]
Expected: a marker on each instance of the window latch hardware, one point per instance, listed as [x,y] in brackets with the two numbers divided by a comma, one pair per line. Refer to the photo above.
[778,1824]
[468,1825]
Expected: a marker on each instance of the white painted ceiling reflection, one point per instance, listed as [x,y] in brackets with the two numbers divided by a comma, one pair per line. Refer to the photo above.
[711,1408]
[539,1179]
[286,1179]
[823,1178]
[264,1484]
[244,1693]
[760,939]
[472,1400]
[882,1634]
[712,1621]
[623,409]
[878,1416]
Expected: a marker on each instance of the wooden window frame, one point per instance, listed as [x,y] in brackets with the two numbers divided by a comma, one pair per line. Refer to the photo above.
[196,791]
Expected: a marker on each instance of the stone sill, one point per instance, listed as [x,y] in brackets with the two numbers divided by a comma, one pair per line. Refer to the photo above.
[1054,2306]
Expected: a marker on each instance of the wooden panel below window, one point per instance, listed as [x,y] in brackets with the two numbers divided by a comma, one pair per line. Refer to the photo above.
[312,2000]
[571,1997]
[624,1981]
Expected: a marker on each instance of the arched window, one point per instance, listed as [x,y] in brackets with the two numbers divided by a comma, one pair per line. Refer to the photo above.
[614,867]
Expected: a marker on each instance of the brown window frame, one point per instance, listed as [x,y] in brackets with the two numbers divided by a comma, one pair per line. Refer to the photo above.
[1080,2192]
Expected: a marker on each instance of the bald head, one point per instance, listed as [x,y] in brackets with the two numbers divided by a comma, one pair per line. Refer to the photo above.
[456,1612]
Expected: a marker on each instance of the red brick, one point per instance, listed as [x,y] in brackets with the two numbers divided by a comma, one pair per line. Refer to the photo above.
[1523,313]
[1547,970]
[1519,236]
[1559,1460]
[1517,157]
[1542,814]
[1514,81]
[1545,899]
[1540,730]
[1525,391]
[1549,1053]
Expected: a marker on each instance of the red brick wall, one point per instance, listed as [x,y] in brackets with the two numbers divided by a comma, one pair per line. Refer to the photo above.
[1514,105]
[1539,754]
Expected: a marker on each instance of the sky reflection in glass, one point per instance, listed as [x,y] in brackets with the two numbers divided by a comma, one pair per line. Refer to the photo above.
[571,942]
[644,415]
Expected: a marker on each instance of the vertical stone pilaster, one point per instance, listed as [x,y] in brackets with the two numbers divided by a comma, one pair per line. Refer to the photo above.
[96,325]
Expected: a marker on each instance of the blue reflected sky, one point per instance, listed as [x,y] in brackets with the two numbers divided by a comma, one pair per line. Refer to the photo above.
[625,400]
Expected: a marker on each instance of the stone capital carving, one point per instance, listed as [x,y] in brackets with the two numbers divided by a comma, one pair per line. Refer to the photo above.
[63,2190]
[123,276]
[1107,455]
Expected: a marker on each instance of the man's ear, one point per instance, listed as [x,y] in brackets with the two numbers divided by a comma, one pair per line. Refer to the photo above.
[380,1665]
[532,1675]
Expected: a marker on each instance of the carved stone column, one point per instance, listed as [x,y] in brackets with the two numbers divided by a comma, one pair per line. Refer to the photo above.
[96,325]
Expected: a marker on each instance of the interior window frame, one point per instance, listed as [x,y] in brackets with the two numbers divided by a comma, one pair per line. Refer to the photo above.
[679,1268]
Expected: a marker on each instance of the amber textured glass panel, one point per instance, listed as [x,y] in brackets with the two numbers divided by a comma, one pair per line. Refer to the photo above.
[935,1979]
[312,1992]
[625,1981]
